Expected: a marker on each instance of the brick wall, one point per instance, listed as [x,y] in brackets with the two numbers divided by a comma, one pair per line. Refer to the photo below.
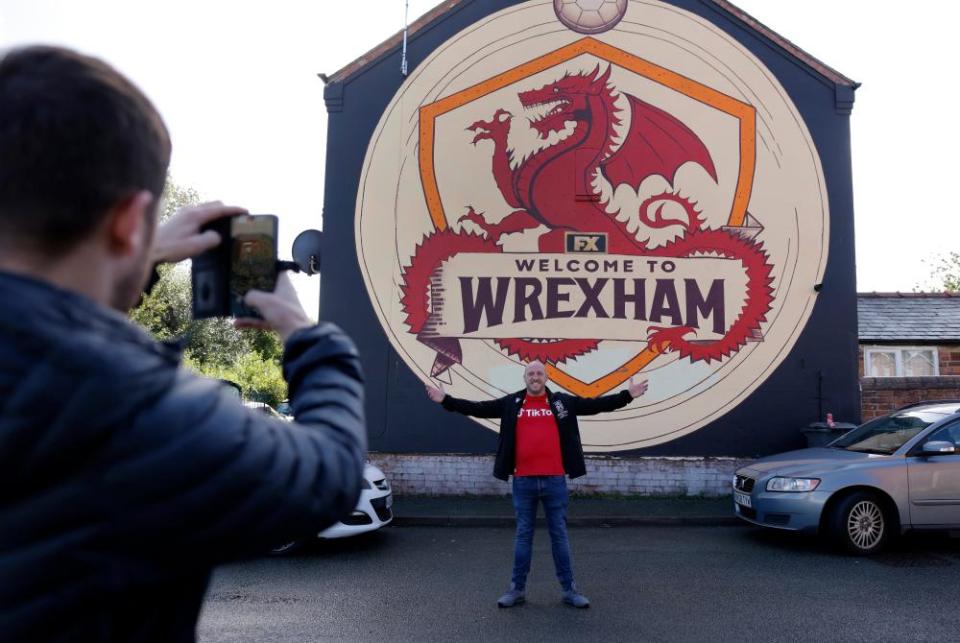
[949,357]
[880,395]
[469,474]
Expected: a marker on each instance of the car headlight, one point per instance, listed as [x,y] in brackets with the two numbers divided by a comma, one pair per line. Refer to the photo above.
[795,485]
[366,484]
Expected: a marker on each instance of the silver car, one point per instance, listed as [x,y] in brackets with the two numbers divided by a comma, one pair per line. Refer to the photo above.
[894,473]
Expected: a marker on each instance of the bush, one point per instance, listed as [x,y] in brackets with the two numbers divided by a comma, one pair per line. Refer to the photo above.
[261,379]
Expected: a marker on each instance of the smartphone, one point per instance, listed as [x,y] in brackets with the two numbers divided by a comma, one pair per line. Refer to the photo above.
[253,259]
[245,259]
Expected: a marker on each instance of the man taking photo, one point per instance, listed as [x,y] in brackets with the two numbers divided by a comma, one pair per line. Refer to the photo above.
[124,478]
[539,446]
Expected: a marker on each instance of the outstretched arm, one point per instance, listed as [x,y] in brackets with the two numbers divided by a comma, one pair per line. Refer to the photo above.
[198,478]
[486,409]
[594,405]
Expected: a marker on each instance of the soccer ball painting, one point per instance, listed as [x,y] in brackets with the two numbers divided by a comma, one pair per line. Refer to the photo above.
[590,16]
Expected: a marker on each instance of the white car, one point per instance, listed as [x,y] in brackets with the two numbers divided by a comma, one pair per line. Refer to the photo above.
[266,409]
[374,510]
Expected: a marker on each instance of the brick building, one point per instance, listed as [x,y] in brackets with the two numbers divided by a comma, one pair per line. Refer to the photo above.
[466,163]
[909,349]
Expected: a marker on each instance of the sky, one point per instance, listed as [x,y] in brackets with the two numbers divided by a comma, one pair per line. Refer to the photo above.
[236,82]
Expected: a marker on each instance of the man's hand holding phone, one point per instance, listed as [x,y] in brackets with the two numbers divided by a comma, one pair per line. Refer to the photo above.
[281,309]
[183,237]
[245,259]
[180,237]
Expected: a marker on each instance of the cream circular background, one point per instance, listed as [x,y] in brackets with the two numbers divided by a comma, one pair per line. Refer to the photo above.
[789,199]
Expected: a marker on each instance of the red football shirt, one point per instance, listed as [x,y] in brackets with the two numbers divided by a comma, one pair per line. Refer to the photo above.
[538,440]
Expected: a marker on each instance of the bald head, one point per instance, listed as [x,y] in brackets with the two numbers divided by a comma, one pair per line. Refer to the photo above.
[535,364]
[535,377]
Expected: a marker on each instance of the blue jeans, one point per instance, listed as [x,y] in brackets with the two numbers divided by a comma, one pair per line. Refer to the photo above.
[552,491]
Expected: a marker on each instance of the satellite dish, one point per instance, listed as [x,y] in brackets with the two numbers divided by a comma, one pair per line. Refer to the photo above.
[306,251]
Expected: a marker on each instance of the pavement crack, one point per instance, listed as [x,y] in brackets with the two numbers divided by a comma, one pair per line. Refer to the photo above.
[236,597]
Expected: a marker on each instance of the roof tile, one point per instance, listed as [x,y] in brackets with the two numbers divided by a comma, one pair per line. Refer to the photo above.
[905,317]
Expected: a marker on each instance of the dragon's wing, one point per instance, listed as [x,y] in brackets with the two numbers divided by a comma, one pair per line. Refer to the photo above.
[657,143]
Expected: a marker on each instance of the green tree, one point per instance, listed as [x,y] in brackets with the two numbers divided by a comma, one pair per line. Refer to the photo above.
[176,196]
[165,312]
[261,379]
[266,343]
[946,272]
[213,347]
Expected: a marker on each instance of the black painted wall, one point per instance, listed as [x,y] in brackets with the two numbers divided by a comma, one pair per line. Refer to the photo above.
[819,376]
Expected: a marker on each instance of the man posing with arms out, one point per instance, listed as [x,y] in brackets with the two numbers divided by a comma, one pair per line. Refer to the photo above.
[539,445]
[124,478]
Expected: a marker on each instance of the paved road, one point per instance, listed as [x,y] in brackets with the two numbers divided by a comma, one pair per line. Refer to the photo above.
[646,583]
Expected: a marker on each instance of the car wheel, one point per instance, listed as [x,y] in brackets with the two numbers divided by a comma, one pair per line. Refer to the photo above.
[286,548]
[860,524]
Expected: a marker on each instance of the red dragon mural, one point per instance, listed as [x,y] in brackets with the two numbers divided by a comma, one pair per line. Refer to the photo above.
[540,191]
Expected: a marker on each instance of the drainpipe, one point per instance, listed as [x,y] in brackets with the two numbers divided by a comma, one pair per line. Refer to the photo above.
[819,395]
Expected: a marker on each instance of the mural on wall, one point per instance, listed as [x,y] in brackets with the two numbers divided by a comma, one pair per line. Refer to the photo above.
[615,188]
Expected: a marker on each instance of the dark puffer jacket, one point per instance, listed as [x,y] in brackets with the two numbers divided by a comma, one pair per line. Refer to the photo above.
[124,478]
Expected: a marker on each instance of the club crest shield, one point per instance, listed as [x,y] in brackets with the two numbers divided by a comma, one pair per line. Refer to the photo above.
[644,202]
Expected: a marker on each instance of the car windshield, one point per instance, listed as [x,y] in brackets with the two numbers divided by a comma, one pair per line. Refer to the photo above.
[886,434]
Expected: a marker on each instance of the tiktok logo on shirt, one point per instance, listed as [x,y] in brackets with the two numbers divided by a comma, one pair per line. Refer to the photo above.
[534,413]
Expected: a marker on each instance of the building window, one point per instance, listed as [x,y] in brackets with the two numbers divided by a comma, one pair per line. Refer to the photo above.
[900,361]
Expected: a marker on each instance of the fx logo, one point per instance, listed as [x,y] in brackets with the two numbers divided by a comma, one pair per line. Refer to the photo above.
[586,241]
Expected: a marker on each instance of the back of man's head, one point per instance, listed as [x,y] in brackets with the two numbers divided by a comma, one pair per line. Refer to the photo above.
[76,139]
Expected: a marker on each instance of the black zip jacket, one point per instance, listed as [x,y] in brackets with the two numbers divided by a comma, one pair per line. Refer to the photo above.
[124,478]
[565,409]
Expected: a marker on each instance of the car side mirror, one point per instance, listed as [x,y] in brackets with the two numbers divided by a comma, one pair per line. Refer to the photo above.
[938,447]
